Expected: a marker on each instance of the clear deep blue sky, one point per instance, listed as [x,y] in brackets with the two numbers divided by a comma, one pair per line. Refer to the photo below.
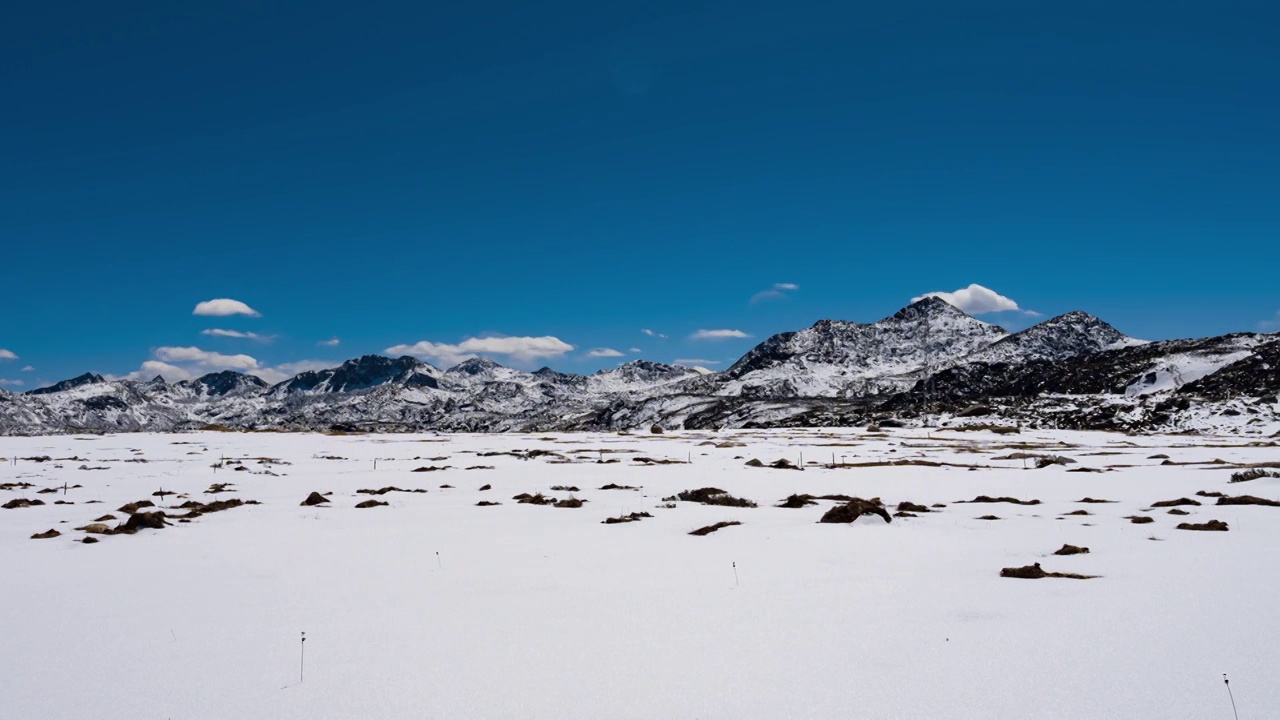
[388,173]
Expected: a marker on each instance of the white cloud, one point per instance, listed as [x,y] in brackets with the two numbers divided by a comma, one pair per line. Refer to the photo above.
[695,361]
[331,342]
[27,369]
[186,363]
[653,334]
[284,371]
[636,350]
[776,292]
[7,355]
[605,353]
[219,332]
[976,300]
[519,349]
[206,359]
[15,383]
[222,307]
[152,368]
[718,335]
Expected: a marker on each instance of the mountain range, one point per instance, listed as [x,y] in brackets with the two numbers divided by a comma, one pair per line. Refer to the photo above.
[928,363]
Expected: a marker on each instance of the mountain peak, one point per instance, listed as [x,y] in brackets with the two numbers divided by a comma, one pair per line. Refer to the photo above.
[474,366]
[926,307]
[227,382]
[1067,335]
[75,382]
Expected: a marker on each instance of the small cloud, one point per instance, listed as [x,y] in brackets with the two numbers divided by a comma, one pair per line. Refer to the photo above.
[7,355]
[977,300]
[636,350]
[519,349]
[15,383]
[605,353]
[331,342]
[27,369]
[654,334]
[718,335]
[695,361]
[219,332]
[206,359]
[222,307]
[776,292]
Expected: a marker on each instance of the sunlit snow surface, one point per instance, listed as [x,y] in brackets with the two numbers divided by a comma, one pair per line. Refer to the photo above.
[435,608]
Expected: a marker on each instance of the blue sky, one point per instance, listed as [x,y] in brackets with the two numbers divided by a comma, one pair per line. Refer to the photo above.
[428,174]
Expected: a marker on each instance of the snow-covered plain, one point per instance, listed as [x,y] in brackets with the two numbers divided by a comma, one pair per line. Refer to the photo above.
[434,607]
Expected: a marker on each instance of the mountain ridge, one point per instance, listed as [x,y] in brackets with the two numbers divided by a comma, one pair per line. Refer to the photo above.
[928,359]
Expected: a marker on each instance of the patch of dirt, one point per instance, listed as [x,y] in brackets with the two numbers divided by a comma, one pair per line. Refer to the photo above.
[1035,572]
[565,488]
[372,504]
[714,496]
[1212,525]
[633,517]
[388,489]
[487,503]
[1071,550]
[538,499]
[314,498]
[140,521]
[797,501]
[1010,500]
[1094,500]
[908,506]
[50,533]
[134,507]
[1140,519]
[16,503]
[1176,511]
[612,486]
[1246,500]
[988,517]
[1174,503]
[570,503]
[854,509]
[712,528]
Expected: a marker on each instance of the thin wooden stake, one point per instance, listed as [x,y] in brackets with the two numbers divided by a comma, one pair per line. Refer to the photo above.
[1230,695]
[302,662]
[735,574]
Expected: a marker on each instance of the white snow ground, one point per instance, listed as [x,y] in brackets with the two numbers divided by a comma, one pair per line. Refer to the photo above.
[543,612]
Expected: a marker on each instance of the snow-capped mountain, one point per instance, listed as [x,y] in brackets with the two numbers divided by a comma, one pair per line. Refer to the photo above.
[835,358]
[1064,336]
[928,360]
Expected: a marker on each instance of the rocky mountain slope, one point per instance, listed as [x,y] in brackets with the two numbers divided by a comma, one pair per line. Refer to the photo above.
[927,363]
